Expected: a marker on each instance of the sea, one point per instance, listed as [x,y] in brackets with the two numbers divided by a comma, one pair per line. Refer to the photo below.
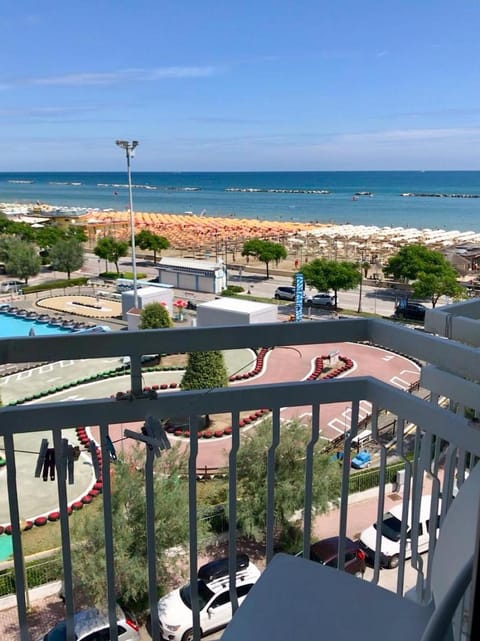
[428,199]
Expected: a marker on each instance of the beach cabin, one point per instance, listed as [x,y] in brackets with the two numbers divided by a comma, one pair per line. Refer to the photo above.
[193,275]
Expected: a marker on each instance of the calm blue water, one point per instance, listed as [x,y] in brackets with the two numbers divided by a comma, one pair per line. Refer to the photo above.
[13,326]
[275,195]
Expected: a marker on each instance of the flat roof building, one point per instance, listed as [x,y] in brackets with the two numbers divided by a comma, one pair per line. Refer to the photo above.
[193,275]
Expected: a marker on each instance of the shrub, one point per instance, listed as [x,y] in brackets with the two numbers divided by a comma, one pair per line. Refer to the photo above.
[231,290]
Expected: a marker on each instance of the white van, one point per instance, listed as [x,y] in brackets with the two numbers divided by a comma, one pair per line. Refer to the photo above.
[391,527]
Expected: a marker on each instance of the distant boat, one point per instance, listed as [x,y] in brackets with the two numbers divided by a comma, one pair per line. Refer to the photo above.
[363,193]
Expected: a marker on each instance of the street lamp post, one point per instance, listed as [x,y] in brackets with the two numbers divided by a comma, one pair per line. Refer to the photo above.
[129,149]
[362,260]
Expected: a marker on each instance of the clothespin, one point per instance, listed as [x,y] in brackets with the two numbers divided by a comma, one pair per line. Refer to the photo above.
[152,434]
[92,446]
[45,461]
[41,457]
[48,460]
[111,449]
[70,458]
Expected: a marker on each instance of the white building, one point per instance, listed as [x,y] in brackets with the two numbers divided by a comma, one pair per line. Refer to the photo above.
[145,295]
[193,275]
[234,311]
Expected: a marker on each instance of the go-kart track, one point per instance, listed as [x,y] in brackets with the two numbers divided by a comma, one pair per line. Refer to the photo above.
[281,364]
[295,363]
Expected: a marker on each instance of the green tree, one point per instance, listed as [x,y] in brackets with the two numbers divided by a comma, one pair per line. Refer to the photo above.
[155,316]
[252,463]
[148,240]
[66,255]
[77,232]
[410,260]
[265,251]
[129,533]
[23,231]
[325,274]
[205,370]
[111,249]
[21,259]
[47,236]
[433,286]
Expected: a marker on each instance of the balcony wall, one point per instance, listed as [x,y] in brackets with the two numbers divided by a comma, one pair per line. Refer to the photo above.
[444,442]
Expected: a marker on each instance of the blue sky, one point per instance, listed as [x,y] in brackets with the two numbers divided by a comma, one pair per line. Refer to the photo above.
[223,85]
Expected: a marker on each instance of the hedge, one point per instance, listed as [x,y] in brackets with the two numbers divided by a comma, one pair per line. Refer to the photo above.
[54,284]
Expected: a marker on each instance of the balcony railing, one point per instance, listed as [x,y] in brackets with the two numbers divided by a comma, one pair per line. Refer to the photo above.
[443,442]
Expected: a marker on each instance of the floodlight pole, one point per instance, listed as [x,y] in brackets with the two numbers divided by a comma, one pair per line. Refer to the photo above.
[362,260]
[129,148]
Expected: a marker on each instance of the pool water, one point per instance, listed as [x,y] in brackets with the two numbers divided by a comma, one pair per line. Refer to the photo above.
[6,547]
[16,326]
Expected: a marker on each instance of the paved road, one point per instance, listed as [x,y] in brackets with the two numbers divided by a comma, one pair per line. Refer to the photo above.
[375,300]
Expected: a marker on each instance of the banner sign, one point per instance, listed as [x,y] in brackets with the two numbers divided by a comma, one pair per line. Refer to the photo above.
[298,297]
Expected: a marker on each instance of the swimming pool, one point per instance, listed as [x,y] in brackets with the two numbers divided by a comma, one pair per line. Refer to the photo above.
[11,325]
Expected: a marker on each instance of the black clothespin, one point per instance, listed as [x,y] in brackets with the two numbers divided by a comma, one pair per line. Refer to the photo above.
[92,446]
[48,460]
[69,454]
[41,457]
[45,461]
[153,434]
[111,448]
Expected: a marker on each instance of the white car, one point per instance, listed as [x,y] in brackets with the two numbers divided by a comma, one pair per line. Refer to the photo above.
[92,625]
[8,286]
[322,299]
[175,609]
[391,529]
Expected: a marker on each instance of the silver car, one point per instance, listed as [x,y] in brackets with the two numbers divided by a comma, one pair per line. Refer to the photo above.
[322,299]
[8,286]
[92,625]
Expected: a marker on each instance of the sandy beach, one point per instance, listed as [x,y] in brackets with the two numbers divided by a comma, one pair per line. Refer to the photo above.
[191,231]
[304,241]
[202,236]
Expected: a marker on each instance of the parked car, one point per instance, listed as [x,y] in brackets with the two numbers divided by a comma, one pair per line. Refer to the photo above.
[92,625]
[175,609]
[7,286]
[286,293]
[322,299]
[361,460]
[391,528]
[326,553]
[410,311]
